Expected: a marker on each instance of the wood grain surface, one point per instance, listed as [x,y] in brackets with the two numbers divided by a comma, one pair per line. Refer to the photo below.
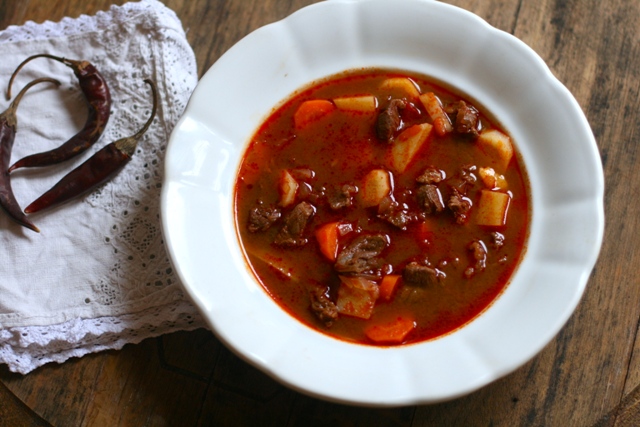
[587,376]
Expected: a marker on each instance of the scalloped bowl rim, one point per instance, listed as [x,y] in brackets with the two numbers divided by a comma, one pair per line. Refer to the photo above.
[263,69]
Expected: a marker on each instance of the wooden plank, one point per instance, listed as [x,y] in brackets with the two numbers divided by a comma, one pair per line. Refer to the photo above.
[211,33]
[42,392]
[241,395]
[12,13]
[626,414]
[134,388]
[580,376]
[502,14]
[602,72]
[313,412]
[18,12]
[13,412]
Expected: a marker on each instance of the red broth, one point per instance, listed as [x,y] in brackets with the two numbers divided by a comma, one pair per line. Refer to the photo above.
[381,208]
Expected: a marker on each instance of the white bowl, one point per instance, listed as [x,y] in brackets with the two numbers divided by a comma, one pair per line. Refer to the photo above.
[435,39]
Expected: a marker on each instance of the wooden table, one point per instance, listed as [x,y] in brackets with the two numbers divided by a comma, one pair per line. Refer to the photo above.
[588,376]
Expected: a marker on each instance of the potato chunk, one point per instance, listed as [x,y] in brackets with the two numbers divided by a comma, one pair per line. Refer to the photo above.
[311,111]
[287,188]
[498,146]
[357,296]
[276,262]
[402,86]
[375,187]
[492,208]
[359,104]
[407,145]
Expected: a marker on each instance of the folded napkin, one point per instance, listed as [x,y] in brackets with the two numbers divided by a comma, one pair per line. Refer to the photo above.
[97,276]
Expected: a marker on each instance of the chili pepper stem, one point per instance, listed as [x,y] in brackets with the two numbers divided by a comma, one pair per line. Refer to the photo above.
[10,112]
[68,62]
[128,145]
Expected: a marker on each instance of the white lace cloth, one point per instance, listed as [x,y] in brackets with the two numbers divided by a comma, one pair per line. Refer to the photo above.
[97,276]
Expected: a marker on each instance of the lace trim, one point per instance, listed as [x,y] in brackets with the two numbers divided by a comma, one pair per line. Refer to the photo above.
[26,348]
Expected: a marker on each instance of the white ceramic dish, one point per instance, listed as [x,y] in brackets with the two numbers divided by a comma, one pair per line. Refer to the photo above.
[424,36]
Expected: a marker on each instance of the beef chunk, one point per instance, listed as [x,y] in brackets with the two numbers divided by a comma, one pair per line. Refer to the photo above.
[400,218]
[361,256]
[342,197]
[479,254]
[291,233]
[302,174]
[304,191]
[429,198]
[262,217]
[430,175]
[467,120]
[395,214]
[322,306]
[421,275]
[467,174]
[464,179]
[460,206]
[389,120]
[497,239]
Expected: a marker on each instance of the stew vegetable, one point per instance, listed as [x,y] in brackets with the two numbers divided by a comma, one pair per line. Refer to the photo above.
[381,208]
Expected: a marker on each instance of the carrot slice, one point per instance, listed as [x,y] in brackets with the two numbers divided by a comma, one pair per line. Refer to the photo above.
[392,333]
[441,122]
[310,111]
[388,285]
[327,237]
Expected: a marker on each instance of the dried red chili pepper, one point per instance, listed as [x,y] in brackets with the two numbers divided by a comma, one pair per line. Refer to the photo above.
[8,127]
[99,168]
[96,92]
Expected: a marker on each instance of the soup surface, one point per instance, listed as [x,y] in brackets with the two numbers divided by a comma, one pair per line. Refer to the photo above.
[381,208]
